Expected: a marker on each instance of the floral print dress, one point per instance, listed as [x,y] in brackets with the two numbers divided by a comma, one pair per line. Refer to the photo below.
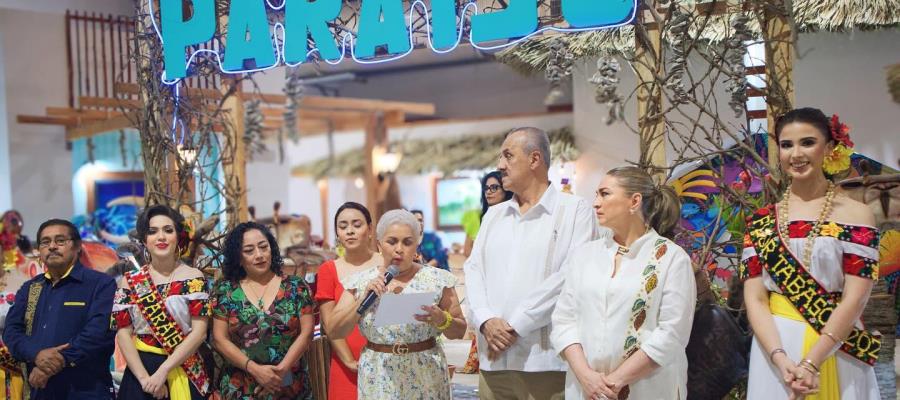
[264,336]
[420,375]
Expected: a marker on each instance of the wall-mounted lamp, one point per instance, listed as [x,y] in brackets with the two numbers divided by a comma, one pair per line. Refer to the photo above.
[187,154]
[386,163]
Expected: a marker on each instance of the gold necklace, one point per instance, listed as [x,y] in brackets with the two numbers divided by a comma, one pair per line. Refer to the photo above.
[622,250]
[265,291]
[784,222]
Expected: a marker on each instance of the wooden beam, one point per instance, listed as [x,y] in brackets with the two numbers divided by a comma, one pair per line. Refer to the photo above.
[312,126]
[109,102]
[648,52]
[198,93]
[318,102]
[345,103]
[82,113]
[320,114]
[779,45]
[46,120]
[265,98]
[94,128]
[236,170]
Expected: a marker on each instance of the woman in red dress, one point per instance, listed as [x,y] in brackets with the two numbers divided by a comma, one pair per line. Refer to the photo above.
[353,226]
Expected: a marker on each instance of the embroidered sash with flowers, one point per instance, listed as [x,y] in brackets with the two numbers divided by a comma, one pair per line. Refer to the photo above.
[164,328]
[806,294]
[649,282]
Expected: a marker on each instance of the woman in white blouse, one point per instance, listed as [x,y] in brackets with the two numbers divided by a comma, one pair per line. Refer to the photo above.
[624,316]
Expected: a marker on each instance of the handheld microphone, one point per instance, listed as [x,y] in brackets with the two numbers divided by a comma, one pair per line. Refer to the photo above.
[371,296]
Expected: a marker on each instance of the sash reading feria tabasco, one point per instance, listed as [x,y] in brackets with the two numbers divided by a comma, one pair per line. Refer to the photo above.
[807,295]
[163,326]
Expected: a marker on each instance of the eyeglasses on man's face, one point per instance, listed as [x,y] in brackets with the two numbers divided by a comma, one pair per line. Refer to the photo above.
[59,241]
[492,188]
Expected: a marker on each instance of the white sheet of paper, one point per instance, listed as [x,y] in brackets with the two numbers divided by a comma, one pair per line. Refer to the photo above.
[396,309]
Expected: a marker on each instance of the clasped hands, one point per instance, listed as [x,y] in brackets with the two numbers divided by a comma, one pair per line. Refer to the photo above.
[799,380]
[499,335]
[598,385]
[48,362]
[269,377]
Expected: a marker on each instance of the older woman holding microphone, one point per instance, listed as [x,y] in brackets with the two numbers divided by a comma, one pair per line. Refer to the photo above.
[624,316]
[401,361]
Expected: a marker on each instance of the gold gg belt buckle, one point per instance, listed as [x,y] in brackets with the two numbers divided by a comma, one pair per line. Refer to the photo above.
[400,349]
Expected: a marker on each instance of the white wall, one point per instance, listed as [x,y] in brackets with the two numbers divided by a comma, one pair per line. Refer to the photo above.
[116,7]
[5,187]
[40,166]
[839,73]
[845,74]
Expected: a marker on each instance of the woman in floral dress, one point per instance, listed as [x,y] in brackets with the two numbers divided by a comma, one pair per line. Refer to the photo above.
[262,321]
[401,361]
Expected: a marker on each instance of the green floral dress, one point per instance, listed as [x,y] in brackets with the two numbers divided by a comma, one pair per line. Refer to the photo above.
[264,336]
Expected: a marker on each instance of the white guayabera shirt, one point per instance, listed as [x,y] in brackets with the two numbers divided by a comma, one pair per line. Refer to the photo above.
[514,274]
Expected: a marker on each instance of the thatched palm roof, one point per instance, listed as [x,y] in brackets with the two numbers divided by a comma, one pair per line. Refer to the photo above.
[474,152]
[531,56]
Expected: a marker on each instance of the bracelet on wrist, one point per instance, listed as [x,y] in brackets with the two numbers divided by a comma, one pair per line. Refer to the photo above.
[774,352]
[448,320]
[247,364]
[808,364]
[833,338]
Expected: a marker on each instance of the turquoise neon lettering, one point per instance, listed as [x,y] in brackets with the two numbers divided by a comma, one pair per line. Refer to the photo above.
[381,22]
[519,19]
[444,28]
[302,17]
[248,16]
[178,33]
[590,13]
[250,42]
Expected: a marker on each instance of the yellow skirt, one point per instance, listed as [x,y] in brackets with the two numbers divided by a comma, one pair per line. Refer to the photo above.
[177,379]
[13,384]
[829,385]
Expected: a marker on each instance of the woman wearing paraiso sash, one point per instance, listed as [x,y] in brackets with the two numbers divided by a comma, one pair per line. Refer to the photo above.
[809,264]
[179,313]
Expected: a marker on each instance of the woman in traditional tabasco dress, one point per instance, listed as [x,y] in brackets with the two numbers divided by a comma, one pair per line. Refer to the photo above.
[809,263]
[354,229]
[161,312]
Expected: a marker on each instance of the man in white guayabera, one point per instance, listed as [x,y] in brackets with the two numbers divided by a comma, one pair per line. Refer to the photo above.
[513,275]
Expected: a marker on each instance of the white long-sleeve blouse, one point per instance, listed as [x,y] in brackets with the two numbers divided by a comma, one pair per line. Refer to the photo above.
[596,310]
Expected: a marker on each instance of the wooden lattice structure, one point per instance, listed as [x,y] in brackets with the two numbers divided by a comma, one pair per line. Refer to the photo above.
[104,95]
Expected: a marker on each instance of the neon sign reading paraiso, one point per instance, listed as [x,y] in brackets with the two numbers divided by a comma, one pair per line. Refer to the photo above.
[252,45]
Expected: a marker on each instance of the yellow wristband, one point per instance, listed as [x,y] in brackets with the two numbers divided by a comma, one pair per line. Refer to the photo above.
[447,322]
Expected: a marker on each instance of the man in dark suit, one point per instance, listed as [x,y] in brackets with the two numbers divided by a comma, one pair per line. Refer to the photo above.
[59,325]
